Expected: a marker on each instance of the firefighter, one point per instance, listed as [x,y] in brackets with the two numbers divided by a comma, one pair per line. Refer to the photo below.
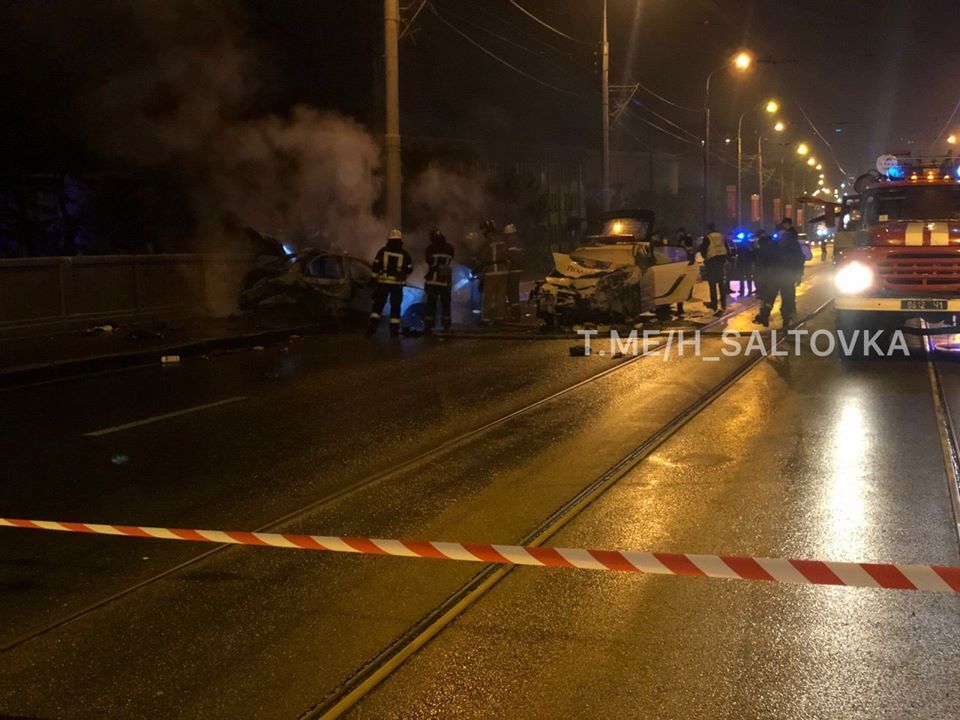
[494,271]
[515,256]
[391,267]
[713,248]
[437,280]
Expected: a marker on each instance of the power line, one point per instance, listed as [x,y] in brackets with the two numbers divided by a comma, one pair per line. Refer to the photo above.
[668,102]
[825,141]
[665,119]
[945,125]
[510,41]
[496,57]
[532,36]
[529,14]
[407,29]
[657,127]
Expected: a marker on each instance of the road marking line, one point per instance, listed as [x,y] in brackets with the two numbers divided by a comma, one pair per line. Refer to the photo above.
[165,416]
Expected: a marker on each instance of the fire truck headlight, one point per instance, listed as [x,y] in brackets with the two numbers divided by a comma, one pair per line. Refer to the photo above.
[853,278]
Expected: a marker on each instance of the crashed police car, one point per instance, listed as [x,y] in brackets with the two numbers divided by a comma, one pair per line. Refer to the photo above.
[615,276]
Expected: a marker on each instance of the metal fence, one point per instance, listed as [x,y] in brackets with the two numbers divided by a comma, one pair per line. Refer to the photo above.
[68,291]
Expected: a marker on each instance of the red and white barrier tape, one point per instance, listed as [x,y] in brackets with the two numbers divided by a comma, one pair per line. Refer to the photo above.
[933,578]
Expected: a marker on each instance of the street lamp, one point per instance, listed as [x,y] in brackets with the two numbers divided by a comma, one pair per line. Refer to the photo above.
[771,106]
[802,149]
[952,139]
[819,166]
[740,62]
[779,127]
[811,162]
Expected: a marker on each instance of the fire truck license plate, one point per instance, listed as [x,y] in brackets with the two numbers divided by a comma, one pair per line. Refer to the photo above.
[923,304]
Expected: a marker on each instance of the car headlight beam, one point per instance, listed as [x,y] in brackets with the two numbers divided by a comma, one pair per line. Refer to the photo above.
[853,278]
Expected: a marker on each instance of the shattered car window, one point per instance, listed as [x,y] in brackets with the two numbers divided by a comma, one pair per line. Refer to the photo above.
[327,267]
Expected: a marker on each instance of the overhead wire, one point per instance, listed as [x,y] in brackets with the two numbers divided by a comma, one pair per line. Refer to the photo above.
[666,120]
[825,141]
[945,126]
[529,14]
[409,26]
[510,41]
[667,101]
[499,59]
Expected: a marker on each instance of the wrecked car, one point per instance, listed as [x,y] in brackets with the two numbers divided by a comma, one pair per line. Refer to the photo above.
[615,276]
[324,285]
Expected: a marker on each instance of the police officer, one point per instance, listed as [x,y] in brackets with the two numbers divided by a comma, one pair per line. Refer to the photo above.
[782,267]
[391,267]
[437,280]
[515,258]
[494,270]
[714,251]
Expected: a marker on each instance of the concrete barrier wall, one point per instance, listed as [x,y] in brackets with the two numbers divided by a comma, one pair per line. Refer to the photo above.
[69,291]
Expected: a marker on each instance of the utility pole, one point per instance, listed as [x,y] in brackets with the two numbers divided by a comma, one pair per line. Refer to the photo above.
[605,109]
[391,140]
[706,152]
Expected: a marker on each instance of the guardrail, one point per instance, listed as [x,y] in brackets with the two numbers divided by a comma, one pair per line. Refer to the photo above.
[64,292]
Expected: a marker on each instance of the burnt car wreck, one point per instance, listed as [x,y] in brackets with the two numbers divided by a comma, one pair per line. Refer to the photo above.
[324,285]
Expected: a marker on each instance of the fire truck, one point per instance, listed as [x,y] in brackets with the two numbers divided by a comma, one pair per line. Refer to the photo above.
[897,250]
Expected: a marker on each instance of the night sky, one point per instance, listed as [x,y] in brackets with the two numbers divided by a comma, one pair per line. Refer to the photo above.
[883,73]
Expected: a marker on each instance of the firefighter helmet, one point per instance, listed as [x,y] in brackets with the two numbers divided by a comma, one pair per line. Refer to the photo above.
[488,226]
[436,235]
[395,235]
[510,229]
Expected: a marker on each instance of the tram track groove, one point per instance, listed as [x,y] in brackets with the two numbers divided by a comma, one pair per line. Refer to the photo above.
[351,488]
[419,634]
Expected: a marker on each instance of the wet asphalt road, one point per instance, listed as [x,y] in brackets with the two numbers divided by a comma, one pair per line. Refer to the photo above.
[803,457]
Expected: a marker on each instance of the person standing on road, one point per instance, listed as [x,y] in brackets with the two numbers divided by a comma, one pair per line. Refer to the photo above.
[685,241]
[437,280]
[391,267]
[782,270]
[713,248]
[515,255]
[746,266]
[494,271]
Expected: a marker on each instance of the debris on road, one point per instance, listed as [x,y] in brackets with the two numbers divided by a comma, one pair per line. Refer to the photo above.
[169,359]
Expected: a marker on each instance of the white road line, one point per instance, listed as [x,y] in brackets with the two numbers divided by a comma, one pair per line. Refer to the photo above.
[165,416]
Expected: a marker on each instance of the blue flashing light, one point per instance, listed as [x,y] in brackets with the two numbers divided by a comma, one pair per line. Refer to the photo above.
[896,172]
[956,171]
[741,236]
[288,249]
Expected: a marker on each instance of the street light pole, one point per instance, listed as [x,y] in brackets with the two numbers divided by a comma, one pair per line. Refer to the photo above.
[706,149]
[760,174]
[605,109]
[391,140]
[739,169]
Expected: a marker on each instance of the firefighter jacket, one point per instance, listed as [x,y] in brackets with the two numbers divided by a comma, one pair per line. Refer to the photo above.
[713,245]
[439,263]
[392,263]
[495,256]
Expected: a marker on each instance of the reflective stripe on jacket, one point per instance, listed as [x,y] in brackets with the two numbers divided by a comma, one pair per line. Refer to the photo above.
[713,246]
[495,258]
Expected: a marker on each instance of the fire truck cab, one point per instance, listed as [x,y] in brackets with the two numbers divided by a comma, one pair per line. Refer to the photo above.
[898,250]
